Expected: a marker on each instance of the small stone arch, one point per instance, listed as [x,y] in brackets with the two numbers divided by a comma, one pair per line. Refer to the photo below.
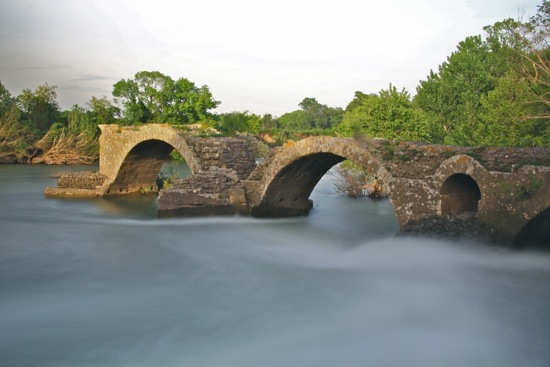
[536,233]
[460,194]
[471,177]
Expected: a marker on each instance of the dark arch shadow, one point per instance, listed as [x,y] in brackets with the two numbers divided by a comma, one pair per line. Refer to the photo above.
[460,194]
[288,193]
[141,167]
[536,233]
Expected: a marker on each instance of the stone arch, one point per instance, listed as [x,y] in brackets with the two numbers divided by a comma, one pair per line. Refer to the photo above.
[141,167]
[131,157]
[461,177]
[291,176]
[460,194]
[536,233]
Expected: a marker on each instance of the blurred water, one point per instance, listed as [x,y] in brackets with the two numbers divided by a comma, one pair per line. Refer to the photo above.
[105,283]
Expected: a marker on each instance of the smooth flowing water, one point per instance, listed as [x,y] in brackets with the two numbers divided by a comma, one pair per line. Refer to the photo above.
[106,283]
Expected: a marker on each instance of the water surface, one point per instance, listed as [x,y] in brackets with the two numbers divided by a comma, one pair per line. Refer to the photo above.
[106,283]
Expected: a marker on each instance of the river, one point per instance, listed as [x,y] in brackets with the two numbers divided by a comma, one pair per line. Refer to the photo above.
[106,283]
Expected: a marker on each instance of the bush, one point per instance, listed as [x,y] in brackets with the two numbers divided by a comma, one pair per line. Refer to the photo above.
[354,181]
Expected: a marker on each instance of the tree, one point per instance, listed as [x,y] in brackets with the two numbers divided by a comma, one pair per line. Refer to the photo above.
[102,111]
[530,41]
[452,97]
[239,122]
[154,97]
[503,113]
[358,99]
[312,114]
[7,101]
[494,90]
[13,136]
[390,115]
[40,108]
[295,120]
[268,122]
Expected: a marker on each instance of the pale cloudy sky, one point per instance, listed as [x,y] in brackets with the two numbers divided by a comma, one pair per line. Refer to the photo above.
[260,56]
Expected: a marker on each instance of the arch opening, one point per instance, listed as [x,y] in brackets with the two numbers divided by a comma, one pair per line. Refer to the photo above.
[288,193]
[139,172]
[536,233]
[460,195]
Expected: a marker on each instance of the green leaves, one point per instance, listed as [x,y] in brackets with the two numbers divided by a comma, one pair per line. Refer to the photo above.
[40,108]
[390,115]
[493,90]
[154,97]
[312,115]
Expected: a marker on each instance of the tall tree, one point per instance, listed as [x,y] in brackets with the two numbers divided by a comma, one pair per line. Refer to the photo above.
[102,111]
[452,97]
[154,97]
[239,122]
[311,114]
[390,115]
[7,101]
[495,89]
[40,108]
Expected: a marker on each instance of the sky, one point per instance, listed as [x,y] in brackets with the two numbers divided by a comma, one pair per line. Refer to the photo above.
[256,56]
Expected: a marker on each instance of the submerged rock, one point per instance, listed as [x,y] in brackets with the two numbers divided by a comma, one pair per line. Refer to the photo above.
[452,227]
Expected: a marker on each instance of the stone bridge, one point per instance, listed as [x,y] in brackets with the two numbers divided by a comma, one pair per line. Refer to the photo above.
[506,189]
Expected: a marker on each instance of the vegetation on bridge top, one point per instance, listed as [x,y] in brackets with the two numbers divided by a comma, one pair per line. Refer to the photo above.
[493,90]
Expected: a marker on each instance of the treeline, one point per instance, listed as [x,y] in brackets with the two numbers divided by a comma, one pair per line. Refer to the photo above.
[493,90]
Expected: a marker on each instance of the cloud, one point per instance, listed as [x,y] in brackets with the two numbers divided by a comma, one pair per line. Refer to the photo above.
[90,77]
[264,57]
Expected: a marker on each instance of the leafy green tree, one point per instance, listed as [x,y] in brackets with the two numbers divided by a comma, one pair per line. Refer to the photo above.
[102,111]
[451,98]
[494,90]
[239,122]
[154,97]
[389,115]
[7,101]
[39,108]
[358,99]
[503,114]
[268,122]
[312,114]
[13,135]
[295,120]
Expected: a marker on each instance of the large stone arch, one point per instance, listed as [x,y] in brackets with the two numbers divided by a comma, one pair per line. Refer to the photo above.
[131,157]
[289,178]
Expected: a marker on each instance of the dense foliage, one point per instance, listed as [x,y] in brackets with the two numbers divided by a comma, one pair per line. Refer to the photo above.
[389,114]
[494,89]
[154,97]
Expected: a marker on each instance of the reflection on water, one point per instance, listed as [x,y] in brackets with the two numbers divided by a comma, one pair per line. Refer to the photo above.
[106,283]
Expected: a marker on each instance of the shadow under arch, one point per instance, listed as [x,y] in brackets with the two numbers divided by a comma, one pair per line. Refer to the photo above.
[289,191]
[141,167]
[460,194]
[536,233]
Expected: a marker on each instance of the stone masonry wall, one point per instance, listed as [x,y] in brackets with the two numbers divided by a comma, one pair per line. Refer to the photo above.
[217,191]
[81,180]
[418,160]
[231,153]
